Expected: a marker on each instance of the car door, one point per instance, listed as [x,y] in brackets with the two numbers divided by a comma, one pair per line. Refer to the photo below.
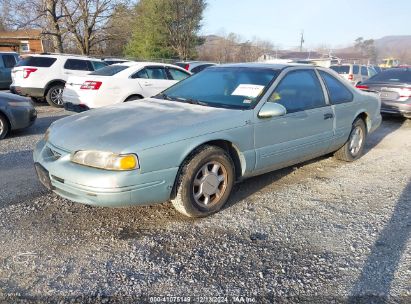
[77,67]
[306,131]
[7,62]
[153,80]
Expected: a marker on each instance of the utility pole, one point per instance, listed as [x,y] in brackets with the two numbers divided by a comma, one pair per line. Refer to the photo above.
[302,41]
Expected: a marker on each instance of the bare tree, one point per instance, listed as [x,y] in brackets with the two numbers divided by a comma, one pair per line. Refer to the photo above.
[86,20]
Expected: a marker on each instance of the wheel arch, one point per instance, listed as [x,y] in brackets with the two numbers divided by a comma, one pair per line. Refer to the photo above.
[365,117]
[52,83]
[232,150]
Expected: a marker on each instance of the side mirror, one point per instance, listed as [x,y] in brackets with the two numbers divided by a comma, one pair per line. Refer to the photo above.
[272,109]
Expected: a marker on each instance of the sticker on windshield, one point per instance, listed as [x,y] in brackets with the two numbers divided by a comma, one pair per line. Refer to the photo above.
[248,90]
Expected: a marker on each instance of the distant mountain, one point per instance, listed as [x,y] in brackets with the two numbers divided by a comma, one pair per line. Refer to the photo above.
[396,46]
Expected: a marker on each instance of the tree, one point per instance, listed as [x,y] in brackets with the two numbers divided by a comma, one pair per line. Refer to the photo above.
[367,48]
[84,22]
[166,28]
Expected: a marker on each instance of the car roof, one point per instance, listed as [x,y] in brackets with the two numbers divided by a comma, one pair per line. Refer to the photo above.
[70,56]
[259,65]
[145,63]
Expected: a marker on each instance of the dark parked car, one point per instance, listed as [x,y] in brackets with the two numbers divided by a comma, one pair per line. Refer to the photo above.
[194,66]
[7,61]
[16,113]
[394,88]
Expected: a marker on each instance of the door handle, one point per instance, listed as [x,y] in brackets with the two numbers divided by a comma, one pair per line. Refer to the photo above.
[148,84]
[328,116]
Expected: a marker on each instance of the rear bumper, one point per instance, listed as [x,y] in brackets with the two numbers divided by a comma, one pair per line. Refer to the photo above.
[396,108]
[31,92]
[23,118]
[78,108]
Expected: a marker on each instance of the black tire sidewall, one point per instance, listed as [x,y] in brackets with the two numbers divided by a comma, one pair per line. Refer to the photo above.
[3,134]
[211,154]
[48,96]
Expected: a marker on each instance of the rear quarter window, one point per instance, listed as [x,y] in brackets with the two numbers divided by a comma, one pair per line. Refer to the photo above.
[78,65]
[36,61]
[337,92]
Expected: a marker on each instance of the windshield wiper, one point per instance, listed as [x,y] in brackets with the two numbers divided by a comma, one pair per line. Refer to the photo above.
[163,96]
[192,101]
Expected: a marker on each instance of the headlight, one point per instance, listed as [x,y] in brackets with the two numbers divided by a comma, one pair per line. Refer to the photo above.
[106,160]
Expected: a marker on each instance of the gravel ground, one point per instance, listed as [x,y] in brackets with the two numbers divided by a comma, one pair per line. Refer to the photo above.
[318,232]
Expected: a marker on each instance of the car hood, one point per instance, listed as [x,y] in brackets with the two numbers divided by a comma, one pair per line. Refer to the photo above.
[140,125]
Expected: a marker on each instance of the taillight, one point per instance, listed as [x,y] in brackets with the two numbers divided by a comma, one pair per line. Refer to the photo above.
[91,85]
[186,67]
[362,87]
[406,92]
[28,71]
[350,77]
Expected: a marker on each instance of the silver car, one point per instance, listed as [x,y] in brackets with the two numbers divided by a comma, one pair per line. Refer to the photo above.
[192,142]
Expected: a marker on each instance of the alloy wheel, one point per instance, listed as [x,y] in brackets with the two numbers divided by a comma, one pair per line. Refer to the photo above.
[56,96]
[210,184]
[356,140]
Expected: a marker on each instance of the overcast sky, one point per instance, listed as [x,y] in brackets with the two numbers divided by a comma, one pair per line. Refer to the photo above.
[332,22]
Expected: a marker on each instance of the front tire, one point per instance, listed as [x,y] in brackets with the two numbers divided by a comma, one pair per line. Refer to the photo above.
[54,96]
[354,147]
[4,126]
[205,182]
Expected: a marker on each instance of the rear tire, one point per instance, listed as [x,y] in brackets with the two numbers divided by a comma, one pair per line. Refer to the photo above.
[54,96]
[204,183]
[133,97]
[4,126]
[354,147]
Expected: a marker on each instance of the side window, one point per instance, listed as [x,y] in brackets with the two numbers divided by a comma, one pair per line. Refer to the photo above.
[337,92]
[9,61]
[298,91]
[355,69]
[156,73]
[364,71]
[77,64]
[151,73]
[141,74]
[177,74]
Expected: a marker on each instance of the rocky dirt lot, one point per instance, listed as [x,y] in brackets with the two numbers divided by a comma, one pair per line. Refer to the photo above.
[321,231]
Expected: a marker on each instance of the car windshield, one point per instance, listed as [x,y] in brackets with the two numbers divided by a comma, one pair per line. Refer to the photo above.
[228,87]
[110,70]
[341,69]
[393,75]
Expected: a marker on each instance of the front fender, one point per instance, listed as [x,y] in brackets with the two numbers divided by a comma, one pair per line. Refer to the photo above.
[173,155]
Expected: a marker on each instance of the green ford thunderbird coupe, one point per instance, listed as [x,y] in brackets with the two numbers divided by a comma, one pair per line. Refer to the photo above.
[192,142]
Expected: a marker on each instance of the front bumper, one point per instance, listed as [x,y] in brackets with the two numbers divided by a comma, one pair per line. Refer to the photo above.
[31,92]
[102,187]
[396,108]
[78,108]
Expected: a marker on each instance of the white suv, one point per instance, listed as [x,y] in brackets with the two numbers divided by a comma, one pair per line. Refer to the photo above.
[44,76]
